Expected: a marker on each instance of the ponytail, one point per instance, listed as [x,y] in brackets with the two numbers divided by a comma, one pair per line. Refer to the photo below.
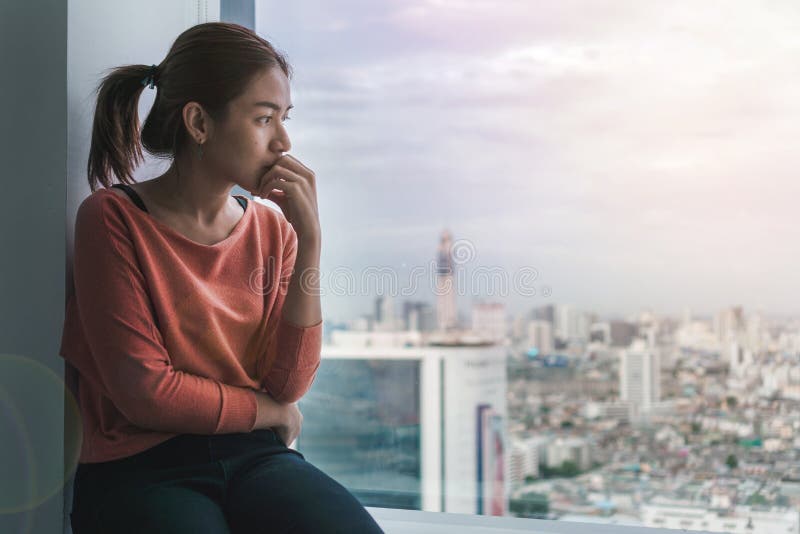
[116,147]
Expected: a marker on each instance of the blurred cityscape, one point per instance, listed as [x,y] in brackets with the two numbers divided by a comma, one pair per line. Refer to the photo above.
[689,422]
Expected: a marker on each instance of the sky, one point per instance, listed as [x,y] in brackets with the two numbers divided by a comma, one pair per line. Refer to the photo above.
[635,154]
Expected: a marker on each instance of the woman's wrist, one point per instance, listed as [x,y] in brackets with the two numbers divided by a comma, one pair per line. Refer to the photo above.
[269,412]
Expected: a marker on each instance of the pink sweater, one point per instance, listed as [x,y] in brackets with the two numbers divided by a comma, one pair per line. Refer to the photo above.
[170,336]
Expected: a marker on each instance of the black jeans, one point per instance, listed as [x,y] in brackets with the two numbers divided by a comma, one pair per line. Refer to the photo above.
[224,483]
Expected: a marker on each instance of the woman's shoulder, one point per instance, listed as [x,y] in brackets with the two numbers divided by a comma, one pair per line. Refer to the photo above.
[103,206]
[94,202]
[103,196]
[272,216]
[118,191]
[277,226]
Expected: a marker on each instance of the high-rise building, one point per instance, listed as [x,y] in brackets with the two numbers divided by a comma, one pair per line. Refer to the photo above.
[419,315]
[489,320]
[561,322]
[571,325]
[622,333]
[540,337]
[416,428]
[362,323]
[384,313]
[757,337]
[729,324]
[740,358]
[600,332]
[517,463]
[526,455]
[447,315]
[640,377]
[562,450]
[544,313]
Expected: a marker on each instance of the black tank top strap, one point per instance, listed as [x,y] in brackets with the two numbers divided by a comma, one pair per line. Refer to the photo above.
[131,193]
[138,201]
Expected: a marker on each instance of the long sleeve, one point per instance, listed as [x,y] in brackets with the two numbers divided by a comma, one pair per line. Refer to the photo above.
[293,352]
[130,364]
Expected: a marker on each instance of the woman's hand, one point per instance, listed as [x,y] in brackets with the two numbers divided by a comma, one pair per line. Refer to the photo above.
[284,419]
[292,423]
[292,186]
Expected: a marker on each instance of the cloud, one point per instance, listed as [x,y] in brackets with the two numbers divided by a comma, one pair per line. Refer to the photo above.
[630,139]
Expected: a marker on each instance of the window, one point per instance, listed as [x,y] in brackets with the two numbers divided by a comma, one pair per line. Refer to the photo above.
[608,195]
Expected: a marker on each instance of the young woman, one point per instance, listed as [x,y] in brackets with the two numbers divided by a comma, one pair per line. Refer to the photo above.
[195,324]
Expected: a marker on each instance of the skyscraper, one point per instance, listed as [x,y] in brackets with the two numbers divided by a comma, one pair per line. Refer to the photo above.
[489,319]
[740,358]
[540,337]
[639,377]
[445,284]
[418,315]
[385,313]
[729,324]
[420,428]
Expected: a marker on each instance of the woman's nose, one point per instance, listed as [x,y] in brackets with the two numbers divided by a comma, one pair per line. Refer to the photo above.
[282,143]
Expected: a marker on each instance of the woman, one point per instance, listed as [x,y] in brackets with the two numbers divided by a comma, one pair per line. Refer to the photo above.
[195,324]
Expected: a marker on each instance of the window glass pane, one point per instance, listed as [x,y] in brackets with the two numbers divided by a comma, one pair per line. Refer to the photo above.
[558,274]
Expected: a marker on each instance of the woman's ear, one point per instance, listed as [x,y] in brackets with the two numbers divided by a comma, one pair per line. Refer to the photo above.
[199,124]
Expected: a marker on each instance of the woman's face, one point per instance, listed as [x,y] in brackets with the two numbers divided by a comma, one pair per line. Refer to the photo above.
[254,135]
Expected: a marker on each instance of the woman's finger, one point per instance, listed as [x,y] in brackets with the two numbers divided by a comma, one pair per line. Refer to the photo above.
[283,186]
[279,198]
[300,168]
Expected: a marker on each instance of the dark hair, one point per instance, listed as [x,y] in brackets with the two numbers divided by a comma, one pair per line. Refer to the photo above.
[210,63]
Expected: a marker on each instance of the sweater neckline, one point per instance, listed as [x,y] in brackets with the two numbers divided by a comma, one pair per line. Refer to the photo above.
[166,229]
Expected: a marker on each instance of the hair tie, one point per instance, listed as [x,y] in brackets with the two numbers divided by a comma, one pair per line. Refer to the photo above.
[151,77]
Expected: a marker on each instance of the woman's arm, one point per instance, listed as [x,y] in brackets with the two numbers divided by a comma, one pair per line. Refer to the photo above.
[292,357]
[293,352]
[302,305]
[293,186]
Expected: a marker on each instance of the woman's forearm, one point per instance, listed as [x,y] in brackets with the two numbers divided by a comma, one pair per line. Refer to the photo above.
[302,305]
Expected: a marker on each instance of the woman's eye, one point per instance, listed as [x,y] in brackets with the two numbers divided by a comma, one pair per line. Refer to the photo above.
[268,118]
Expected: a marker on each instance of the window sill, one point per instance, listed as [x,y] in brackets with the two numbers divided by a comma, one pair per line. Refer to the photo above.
[394,521]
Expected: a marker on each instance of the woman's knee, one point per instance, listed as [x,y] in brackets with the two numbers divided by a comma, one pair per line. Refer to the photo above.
[289,491]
